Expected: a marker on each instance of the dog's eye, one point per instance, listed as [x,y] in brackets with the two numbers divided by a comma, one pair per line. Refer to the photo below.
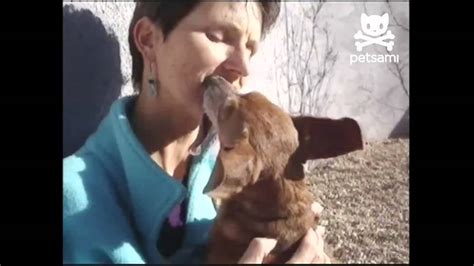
[228,148]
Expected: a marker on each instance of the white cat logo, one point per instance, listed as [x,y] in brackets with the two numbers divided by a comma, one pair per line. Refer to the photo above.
[375,32]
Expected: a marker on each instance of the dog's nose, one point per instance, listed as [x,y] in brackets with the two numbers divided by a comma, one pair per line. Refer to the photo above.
[216,81]
[212,80]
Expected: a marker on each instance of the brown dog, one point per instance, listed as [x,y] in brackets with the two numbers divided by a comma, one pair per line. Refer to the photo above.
[259,172]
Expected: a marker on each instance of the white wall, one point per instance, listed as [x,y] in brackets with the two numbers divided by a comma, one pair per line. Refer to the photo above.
[372,93]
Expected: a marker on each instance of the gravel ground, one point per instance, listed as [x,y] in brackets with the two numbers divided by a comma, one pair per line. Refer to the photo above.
[365,200]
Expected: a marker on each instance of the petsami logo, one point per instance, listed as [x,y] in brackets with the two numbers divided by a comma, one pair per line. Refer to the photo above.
[374,32]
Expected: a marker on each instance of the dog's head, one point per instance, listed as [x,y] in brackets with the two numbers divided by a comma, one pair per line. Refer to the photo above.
[259,140]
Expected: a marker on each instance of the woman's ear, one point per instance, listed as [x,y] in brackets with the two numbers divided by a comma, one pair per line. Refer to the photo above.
[147,36]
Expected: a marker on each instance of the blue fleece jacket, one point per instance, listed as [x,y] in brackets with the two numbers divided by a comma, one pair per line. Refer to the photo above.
[115,198]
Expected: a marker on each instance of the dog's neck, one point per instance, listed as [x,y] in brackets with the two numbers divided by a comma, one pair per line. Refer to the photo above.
[269,198]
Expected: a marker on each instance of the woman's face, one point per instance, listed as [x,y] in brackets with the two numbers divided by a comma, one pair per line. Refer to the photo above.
[214,38]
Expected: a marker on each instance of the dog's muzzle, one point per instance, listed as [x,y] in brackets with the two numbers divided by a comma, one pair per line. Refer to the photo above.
[216,91]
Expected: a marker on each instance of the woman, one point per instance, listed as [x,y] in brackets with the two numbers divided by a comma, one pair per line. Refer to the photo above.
[133,192]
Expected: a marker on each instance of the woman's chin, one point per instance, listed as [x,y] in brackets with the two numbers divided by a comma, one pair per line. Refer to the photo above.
[197,108]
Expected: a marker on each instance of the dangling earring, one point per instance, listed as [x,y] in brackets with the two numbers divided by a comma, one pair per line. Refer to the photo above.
[152,83]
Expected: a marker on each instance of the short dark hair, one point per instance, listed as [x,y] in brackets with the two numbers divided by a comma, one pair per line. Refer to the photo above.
[167,14]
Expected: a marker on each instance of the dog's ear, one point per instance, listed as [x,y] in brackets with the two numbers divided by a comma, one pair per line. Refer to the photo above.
[294,169]
[325,138]
[322,138]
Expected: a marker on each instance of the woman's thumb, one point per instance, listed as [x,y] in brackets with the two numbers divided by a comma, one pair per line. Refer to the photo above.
[258,249]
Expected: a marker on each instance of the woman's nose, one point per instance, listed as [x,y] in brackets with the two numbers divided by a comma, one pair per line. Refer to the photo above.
[236,66]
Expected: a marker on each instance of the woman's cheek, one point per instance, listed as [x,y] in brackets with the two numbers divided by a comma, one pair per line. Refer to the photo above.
[210,53]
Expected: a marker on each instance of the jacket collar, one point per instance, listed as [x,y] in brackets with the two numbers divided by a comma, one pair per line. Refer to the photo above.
[153,193]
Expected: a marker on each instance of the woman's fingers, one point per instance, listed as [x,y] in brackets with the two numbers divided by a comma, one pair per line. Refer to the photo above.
[321,257]
[317,208]
[309,247]
[320,230]
[324,259]
[257,250]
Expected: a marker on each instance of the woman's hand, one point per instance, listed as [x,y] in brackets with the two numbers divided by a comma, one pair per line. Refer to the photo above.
[311,249]
[258,249]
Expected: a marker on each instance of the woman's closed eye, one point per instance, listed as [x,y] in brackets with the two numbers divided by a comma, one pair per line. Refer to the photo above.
[219,36]
[215,36]
[253,49]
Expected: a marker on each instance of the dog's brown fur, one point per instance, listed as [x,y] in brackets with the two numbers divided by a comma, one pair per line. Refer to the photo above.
[259,175]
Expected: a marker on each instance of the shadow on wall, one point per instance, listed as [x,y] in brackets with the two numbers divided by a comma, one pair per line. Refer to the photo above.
[402,129]
[92,76]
